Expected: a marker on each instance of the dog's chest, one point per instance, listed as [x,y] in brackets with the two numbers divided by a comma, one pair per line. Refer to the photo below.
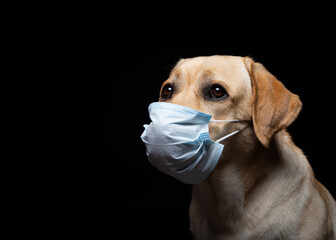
[223,215]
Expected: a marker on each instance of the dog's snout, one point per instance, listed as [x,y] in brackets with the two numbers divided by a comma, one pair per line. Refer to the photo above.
[187,99]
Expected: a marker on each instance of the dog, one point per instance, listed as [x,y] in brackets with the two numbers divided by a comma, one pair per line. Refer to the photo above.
[262,187]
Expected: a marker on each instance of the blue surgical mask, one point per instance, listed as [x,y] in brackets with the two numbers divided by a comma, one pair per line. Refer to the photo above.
[178,142]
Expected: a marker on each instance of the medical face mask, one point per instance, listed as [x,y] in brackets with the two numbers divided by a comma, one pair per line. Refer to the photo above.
[178,142]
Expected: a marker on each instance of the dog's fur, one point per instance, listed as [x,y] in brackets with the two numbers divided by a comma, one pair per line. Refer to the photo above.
[263,186]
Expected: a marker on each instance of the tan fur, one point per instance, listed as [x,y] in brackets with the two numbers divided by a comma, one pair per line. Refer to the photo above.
[263,186]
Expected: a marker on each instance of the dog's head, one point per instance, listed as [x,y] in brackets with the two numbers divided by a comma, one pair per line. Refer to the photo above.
[229,87]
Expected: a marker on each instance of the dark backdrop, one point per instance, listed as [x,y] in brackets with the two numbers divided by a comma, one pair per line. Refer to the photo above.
[100,84]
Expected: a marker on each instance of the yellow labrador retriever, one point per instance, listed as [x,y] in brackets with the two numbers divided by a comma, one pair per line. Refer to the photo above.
[263,186]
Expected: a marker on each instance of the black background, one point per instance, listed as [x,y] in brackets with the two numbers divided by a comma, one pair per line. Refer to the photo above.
[100,83]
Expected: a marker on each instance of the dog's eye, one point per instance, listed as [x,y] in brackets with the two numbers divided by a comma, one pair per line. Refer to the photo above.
[217,92]
[167,91]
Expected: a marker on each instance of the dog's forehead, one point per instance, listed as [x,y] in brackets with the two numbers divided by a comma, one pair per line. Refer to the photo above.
[229,69]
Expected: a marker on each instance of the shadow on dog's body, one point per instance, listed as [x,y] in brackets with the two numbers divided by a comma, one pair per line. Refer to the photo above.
[263,186]
[262,193]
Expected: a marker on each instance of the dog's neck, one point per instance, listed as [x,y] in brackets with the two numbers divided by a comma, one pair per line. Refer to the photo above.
[242,174]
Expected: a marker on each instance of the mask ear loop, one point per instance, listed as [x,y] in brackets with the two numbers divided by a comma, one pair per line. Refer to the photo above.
[226,136]
[230,134]
[234,120]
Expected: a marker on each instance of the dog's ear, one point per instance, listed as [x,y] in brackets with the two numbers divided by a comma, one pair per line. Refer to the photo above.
[274,106]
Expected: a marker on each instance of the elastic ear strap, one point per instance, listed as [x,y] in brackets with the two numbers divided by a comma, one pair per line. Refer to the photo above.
[215,121]
[229,135]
